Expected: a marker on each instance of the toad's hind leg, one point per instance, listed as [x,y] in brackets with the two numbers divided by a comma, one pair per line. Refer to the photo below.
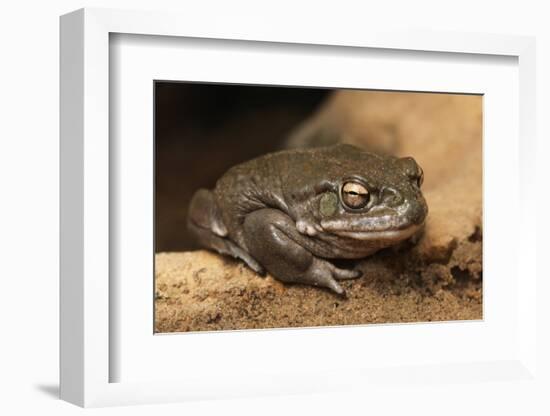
[205,223]
[272,238]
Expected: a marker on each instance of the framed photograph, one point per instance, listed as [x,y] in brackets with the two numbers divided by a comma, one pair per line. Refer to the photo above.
[272,212]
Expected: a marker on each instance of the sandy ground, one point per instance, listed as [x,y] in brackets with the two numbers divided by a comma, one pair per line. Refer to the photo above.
[440,278]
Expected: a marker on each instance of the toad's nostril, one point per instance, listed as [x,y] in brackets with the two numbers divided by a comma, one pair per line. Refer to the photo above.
[417,213]
[390,197]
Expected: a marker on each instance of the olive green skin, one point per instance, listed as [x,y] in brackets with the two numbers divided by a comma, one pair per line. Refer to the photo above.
[284,212]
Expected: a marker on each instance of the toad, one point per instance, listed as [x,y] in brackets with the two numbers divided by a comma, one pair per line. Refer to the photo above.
[291,213]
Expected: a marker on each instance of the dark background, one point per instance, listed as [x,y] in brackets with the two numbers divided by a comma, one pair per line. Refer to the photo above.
[201,130]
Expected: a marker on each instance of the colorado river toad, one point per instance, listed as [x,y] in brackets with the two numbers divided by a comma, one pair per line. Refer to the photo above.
[290,212]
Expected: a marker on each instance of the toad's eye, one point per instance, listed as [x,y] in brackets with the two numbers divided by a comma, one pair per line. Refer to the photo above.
[355,195]
[420,179]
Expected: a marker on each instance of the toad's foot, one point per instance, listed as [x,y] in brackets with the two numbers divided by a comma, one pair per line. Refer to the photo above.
[323,273]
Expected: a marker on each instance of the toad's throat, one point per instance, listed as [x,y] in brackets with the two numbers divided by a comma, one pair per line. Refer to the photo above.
[369,223]
[390,234]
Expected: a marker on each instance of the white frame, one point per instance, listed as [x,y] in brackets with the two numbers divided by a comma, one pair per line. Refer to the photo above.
[85,196]
[135,61]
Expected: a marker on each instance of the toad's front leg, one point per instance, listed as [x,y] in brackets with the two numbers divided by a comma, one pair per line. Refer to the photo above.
[272,238]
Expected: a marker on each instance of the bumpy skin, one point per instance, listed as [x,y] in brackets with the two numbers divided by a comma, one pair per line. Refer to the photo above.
[285,212]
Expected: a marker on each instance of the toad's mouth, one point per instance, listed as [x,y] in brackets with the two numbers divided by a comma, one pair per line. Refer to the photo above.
[373,235]
[384,224]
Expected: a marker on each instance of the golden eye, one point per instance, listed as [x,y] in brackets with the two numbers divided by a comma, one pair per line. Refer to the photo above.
[355,195]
